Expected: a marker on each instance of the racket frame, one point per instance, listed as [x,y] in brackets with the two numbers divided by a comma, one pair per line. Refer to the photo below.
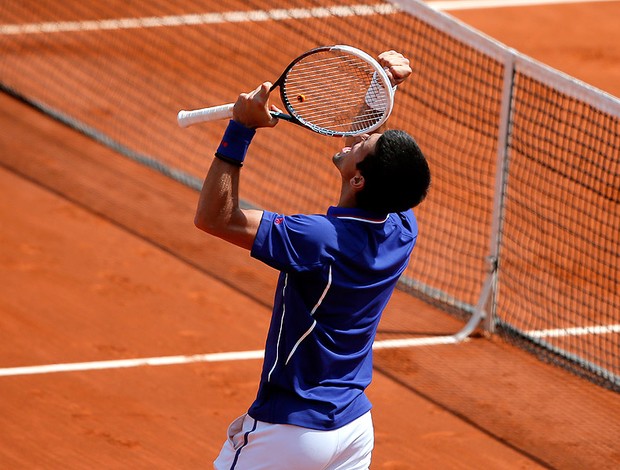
[225,111]
[380,75]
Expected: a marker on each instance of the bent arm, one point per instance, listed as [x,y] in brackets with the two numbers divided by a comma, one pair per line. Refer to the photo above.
[218,211]
[398,69]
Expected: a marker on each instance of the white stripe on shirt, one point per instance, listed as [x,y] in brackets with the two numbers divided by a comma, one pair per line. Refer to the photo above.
[275,363]
[364,220]
[318,304]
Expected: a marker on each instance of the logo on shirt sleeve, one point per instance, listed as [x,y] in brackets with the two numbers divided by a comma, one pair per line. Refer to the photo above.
[278,220]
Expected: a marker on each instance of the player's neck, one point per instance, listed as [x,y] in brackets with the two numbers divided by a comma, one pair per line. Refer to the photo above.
[347,200]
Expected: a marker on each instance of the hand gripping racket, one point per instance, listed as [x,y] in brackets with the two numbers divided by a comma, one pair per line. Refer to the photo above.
[333,90]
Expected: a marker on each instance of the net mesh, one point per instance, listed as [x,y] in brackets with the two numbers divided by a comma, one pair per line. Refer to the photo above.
[559,236]
[120,71]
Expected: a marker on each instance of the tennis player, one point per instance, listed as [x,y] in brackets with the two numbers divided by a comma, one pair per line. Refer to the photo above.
[337,272]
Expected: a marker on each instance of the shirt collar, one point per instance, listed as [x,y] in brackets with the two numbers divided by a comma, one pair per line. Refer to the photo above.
[354,213]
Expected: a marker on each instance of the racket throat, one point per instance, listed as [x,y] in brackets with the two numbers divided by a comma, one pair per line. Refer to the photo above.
[278,115]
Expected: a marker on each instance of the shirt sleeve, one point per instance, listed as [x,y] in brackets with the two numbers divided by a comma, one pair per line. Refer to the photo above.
[409,222]
[294,243]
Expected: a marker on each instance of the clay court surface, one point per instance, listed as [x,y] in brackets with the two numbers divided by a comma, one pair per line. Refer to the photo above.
[100,261]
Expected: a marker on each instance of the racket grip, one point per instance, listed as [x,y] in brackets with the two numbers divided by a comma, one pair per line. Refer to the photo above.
[187,118]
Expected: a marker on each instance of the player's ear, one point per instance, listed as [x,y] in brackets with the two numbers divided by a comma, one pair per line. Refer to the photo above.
[357,182]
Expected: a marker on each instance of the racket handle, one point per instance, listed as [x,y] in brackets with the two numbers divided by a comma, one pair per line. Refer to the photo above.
[187,118]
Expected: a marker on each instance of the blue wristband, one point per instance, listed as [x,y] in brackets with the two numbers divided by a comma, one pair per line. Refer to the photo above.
[235,143]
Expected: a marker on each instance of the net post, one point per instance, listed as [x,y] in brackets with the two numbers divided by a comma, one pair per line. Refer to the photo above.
[480,313]
[501,176]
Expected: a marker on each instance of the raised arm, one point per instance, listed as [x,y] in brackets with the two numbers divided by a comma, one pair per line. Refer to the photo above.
[398,69]
[218,211]
[396,65]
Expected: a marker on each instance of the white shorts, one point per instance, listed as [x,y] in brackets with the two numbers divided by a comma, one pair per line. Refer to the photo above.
[255,445]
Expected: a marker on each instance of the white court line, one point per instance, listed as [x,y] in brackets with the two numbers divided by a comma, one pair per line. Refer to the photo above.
[261,15]
[454,5]
[199,19]
[124,363]
[258,354]
[576,331]
[176,360]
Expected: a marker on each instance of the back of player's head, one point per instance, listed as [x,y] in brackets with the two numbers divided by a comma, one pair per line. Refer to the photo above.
[396,175]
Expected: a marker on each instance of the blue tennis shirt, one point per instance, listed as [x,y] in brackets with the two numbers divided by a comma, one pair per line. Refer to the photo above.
[337,273]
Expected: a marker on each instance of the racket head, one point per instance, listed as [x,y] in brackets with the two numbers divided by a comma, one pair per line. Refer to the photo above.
[337,90]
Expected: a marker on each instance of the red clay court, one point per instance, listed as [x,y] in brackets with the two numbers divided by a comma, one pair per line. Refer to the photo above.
[100,261]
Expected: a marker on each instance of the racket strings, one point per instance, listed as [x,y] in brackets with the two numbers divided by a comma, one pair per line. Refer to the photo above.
[329,91]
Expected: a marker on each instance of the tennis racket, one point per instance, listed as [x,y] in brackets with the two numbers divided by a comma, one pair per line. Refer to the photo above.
[333,90]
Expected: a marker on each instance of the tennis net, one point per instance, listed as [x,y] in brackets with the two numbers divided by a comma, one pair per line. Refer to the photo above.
[525,160]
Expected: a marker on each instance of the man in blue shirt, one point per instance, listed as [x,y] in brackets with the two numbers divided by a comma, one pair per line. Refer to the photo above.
[337,273]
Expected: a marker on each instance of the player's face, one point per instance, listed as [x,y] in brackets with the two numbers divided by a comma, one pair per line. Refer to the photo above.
[347,159]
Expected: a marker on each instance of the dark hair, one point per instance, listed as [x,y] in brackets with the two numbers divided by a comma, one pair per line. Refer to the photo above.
[396,175]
